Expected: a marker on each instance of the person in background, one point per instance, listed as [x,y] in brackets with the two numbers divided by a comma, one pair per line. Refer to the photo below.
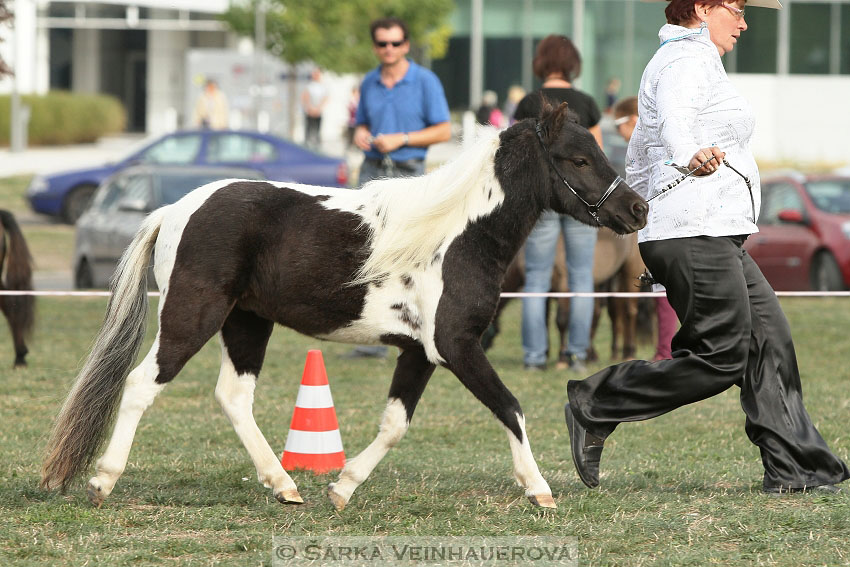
[625,119]
[402,111]
[211,108]
[693,136]
[353,101]
[557,63]
[488,113]
[515,94]
[612,90]
[313,100]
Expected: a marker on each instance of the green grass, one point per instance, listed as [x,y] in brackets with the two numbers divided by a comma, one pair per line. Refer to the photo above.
[682,489]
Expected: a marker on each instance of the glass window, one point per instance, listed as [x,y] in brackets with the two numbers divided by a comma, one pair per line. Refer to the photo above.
[810,31]
[174,150]
[756,52]
[780,197]
[124,188]
[233,148]
[832,196]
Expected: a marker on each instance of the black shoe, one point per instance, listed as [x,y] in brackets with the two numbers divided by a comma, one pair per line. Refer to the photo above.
[586,449]
[823,489]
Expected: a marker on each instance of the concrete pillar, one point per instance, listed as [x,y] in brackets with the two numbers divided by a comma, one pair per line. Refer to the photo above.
[85,61]
[166,79]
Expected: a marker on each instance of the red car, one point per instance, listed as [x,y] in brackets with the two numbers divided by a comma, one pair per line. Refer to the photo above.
[803,241]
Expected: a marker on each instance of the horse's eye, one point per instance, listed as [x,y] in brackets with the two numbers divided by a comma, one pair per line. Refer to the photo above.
[580,162]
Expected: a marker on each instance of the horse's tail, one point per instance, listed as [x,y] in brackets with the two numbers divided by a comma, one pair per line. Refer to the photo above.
[93,401]
[19,309]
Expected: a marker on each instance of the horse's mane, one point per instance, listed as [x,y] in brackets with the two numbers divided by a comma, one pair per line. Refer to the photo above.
[412,219]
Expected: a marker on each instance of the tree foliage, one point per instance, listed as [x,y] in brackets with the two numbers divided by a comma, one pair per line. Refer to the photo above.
[335,35]
[5,15]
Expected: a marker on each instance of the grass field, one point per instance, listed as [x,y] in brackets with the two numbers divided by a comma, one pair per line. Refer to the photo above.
[683,489]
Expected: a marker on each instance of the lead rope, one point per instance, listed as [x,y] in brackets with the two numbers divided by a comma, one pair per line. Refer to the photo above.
[697,168]
[646,279]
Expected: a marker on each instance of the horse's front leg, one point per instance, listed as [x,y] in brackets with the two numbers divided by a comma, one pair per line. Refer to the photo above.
[412,372]
[466,359]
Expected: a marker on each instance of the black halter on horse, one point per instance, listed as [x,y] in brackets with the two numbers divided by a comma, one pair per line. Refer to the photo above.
[592,209]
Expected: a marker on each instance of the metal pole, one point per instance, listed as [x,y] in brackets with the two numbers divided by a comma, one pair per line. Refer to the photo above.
[578,30]
[259,50]
[527,44]
[476,55]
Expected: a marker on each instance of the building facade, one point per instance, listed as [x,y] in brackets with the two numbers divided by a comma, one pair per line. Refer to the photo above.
[793,64]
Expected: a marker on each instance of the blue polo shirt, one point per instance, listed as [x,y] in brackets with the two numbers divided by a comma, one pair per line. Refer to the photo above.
[415,102]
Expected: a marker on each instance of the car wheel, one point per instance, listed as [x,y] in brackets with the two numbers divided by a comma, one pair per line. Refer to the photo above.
[76,203]
[83,276]
[826,275]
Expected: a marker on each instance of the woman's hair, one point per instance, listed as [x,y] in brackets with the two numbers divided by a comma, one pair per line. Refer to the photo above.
[557,54]
[680,12]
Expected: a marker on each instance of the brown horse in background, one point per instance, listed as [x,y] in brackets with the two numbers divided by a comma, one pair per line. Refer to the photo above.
[16,271]
[616,267]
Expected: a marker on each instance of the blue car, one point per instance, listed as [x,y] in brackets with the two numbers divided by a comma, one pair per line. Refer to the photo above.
[66,195]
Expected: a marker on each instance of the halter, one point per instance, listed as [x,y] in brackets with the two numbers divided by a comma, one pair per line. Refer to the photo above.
[592,209]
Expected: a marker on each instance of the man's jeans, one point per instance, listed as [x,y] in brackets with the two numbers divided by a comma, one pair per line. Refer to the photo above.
[580,243]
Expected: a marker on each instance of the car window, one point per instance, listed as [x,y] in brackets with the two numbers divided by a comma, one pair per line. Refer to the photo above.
[234,148]
[174,149]
[831,196]
[172,186]
[123,188]
[780,197]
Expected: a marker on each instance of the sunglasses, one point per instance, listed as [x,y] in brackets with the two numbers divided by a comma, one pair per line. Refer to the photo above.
[622,120]
[739,14]
[383,44]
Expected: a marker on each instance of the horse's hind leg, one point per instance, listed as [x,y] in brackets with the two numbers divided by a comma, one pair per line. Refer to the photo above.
[412,372]
[12,308]
[244,337]
[185,326]
[468,362]
[139,392]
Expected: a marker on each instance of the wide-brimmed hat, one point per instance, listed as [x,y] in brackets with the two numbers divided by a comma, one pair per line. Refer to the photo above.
[775,4]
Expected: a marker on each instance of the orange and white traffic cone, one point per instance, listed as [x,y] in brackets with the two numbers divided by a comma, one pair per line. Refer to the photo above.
[314,442]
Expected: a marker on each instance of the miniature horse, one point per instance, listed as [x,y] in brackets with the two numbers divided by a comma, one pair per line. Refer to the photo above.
[18,309]
[415,262]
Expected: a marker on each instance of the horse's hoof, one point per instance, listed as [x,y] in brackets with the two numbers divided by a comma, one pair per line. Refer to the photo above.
[337,500]
[543,500]
[95,494]
[290,496]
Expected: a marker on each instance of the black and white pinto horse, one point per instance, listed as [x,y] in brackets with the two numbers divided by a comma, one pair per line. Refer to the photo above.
[416,263]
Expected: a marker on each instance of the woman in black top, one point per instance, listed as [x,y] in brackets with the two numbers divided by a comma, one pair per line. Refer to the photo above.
[557,63]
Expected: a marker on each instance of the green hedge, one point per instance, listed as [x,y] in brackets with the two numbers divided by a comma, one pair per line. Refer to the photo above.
[62,117]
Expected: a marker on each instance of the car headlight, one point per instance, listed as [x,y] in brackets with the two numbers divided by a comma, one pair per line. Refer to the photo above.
[845,228]
[37,185]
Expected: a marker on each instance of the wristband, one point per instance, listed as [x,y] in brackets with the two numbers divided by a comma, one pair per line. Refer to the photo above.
[405,140]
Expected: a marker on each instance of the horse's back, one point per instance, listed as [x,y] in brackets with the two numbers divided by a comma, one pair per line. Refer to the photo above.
[275,250]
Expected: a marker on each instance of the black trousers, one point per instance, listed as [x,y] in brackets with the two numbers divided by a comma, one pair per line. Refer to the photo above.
[733,333]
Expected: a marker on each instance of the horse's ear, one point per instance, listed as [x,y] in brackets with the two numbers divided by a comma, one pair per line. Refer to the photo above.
[553,119]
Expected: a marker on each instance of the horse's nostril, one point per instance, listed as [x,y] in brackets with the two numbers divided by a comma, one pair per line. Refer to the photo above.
[640,209]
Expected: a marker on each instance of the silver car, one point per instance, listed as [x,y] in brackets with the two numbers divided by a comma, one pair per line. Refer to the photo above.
[121,203]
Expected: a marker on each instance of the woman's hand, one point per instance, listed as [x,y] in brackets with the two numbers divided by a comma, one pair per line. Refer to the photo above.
[703,155]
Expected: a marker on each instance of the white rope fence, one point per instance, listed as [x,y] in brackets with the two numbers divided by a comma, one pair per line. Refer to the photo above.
[506,295]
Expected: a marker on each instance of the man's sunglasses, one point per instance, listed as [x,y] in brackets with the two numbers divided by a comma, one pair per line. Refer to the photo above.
[386,43]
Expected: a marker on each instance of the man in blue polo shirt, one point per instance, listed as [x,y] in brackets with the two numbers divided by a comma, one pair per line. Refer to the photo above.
[402,111]
[402,108]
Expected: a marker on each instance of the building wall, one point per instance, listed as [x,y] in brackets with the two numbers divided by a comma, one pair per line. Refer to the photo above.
[799,118]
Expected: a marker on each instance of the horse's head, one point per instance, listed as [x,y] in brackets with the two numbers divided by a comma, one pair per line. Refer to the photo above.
[582,182]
